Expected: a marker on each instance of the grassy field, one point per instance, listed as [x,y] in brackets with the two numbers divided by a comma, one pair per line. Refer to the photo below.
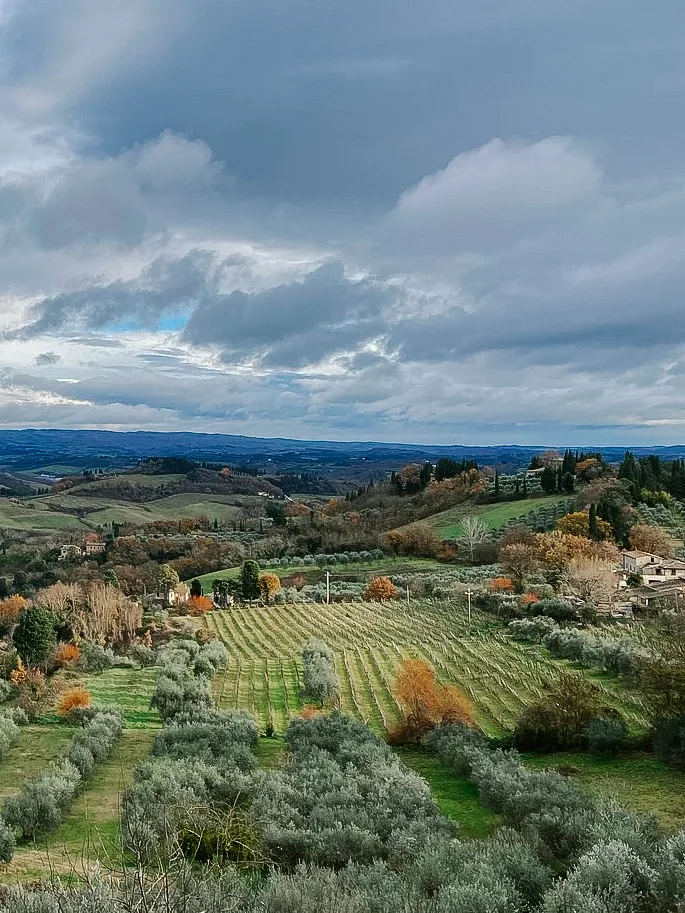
[639,782]
[370,640]
[356,571]
[457,797]
[31,515]
[448,523]
[89,829]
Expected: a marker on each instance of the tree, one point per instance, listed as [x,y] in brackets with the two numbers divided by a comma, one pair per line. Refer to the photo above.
[568,483]
[195,588]
[651,539]
[380,589]
[592,579]
[221,590]
[249,581]
[548,480]
[474,533]
[319,677]
[581,523]
[446,468]
[559,721]
[519,560]
[34,636]
[167,578]
[426,702]
[269,585]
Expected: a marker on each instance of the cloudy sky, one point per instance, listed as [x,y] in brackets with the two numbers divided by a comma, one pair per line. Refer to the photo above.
[438,221]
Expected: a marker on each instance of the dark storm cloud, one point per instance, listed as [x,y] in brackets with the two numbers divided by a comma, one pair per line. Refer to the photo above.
[357,101]
[163,285]
[292,324]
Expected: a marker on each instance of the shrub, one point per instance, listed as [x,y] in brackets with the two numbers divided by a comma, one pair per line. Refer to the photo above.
[8,842]
[9,734]
[426,702]
[66,655]
[199,605]
[5,690]
[321,684]
[380,589]
[39,807]
[559,720]
[143,655]
[77,698]
[669,741]
[502,584]
[605,735]
[95,658]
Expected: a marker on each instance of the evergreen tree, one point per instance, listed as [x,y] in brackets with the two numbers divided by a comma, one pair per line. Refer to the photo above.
[195,588]
[249,581]
[560,479]
[497,483]
[593,528]
[34,636]
[524,492]
[426,474]
[548,480]
[568,482]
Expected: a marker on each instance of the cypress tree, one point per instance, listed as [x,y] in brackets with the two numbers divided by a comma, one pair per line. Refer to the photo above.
[497,483]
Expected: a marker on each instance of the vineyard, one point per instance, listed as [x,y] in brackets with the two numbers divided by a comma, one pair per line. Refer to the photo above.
[370,640]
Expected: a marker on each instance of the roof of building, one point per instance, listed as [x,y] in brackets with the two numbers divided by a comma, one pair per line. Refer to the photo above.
[639,554]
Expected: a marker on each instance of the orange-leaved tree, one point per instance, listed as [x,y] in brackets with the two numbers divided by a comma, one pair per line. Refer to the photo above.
[198,605]
[380,589]
[426,702]
[269,585]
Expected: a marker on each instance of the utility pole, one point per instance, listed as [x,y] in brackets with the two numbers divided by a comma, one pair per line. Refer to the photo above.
[469,594]
[407,594]
[328,587]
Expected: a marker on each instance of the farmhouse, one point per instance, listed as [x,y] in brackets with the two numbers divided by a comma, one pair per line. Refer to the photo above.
[652,568]
[92,545]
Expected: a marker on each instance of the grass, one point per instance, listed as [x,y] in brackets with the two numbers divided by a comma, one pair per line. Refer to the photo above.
[456,797]
[447,524]
[353,571]
[500,676]
[127,689]
[37,746]
[639,782]
[26,516]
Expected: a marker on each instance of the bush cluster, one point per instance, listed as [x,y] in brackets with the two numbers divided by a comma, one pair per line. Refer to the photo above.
[193,792]
[94,657]
[545,807]
[344,797]
[183,685]
[619,655]
[321,684]
[39,808]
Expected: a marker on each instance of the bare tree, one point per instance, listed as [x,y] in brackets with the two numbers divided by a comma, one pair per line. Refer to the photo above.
[592,579]
[475,532]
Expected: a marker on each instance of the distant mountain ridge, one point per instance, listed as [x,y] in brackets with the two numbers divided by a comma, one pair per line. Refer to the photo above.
[35,446]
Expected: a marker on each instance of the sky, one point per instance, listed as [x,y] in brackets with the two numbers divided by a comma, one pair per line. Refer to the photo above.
[438,222]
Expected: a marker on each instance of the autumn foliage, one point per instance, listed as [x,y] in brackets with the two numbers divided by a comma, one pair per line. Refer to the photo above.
[529,599]
[426,702]
[502,584]
[269,585]
[198,605]
[10,609]
[73,699]
[380,589]
[66,654]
